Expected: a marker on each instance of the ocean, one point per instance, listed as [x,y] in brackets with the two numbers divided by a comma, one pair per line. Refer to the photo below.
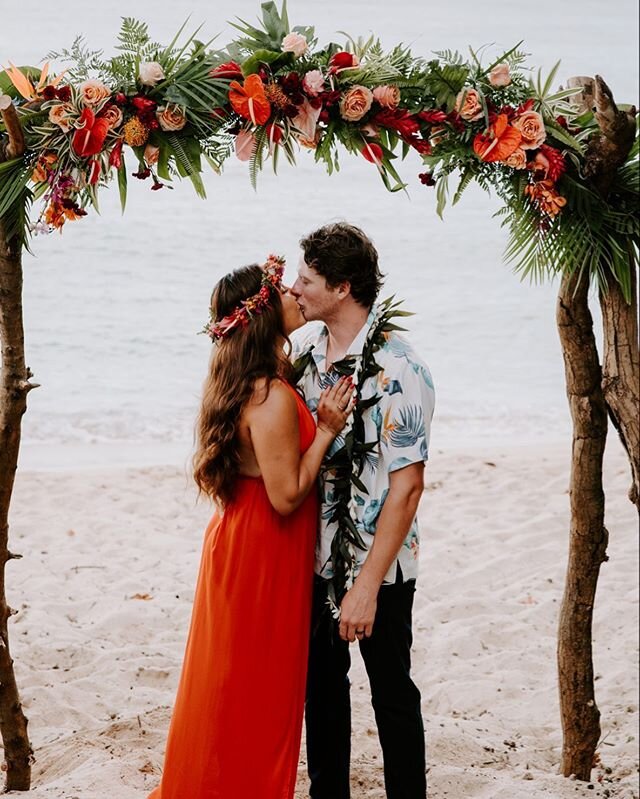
[113,306]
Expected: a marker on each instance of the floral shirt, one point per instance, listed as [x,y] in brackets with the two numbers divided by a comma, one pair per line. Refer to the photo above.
[400,422]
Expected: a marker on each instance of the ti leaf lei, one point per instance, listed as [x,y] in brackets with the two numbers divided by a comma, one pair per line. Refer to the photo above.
[344,467]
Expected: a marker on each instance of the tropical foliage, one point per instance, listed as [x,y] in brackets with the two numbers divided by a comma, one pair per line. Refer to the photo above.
[273,91]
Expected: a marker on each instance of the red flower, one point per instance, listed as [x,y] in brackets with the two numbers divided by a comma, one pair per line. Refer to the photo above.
[421,145]
[329,98]
[89,137]
[228,70]
[562,121]
[115,157]
[426,178]
[94,174]
[274,134]
[49,93]
[342,60]
[372,152]
[549,161]
[143,105]
[120,99]
[142,174]
[64,93]
[525,107]
[398,119]
[432,117]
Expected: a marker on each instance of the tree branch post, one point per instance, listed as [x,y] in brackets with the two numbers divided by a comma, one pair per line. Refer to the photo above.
[14,387]
[588,536]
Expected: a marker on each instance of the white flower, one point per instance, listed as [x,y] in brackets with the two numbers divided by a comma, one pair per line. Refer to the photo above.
[294,43]
[150,73]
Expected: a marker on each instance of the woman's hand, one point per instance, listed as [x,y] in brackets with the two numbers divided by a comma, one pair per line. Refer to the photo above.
[335,405]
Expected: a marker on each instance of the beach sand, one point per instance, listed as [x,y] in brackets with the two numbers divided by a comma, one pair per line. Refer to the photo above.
[104,593]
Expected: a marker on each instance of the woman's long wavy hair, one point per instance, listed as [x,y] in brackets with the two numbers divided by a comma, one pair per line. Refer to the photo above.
[237,361]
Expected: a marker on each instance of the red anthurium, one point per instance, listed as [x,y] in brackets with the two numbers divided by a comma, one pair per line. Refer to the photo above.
[342,60]
[228,70]
[372,152]
[94,175]
[501,141]
[90,135]
[249,100]
[115,157]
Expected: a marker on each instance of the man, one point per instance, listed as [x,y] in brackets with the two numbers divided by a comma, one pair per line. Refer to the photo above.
[371,574]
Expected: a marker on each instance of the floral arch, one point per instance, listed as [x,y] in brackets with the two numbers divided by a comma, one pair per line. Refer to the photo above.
[563,163]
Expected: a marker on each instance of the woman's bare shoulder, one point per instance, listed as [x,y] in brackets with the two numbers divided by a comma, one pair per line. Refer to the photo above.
[269,397]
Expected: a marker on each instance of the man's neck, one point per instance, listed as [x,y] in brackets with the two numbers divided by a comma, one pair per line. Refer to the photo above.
[343,329]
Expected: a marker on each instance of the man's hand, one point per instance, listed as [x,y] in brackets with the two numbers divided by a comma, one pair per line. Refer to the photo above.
[358,611]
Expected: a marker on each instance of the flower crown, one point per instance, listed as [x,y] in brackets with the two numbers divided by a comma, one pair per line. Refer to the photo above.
[272,272]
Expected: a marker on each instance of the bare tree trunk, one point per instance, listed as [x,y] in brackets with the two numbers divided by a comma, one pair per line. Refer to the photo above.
[621,373]
[14,387]
[588,539]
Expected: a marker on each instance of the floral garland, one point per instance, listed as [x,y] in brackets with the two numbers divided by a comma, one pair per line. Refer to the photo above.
[273,91]
[344,467]
[272,272]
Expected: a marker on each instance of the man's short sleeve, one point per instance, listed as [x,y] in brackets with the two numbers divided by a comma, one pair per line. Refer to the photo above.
[407,414]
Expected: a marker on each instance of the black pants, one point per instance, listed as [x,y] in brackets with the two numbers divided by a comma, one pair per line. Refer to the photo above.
[395,698]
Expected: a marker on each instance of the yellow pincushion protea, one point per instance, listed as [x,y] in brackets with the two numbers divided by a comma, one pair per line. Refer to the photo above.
[135,133]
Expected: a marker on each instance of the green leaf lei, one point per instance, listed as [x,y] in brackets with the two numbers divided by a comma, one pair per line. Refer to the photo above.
[346,464]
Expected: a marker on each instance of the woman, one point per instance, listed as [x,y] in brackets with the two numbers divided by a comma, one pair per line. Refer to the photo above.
[236,726]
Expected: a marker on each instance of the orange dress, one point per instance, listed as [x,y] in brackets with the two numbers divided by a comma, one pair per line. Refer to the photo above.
[236,726]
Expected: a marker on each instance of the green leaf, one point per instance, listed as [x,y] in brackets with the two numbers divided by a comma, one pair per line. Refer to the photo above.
[122,184]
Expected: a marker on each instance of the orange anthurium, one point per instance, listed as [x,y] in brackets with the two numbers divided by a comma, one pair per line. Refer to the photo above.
[250,100]
[503,139]
[89,137]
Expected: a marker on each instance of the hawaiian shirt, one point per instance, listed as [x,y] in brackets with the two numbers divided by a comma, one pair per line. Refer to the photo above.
[400,423]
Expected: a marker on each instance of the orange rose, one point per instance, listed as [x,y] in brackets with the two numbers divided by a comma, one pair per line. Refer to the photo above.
[151,154]
[387,96]
[531,125]
[113,115]
[93,92]
[468,105]
[171,117]
[517,159]
[59,115]
[355,103]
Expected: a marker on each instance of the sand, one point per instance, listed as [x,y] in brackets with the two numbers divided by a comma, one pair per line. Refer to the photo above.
[105,586]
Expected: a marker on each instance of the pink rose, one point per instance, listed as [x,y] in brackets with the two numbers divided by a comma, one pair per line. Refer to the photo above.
[294,43]
[517,159]
[468,105]
[313,83]
[150,73]
[531,126]
[499,75]
[93,92]
[59,115]
[171,117]
[245,145]
[387,96]
[355,103]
